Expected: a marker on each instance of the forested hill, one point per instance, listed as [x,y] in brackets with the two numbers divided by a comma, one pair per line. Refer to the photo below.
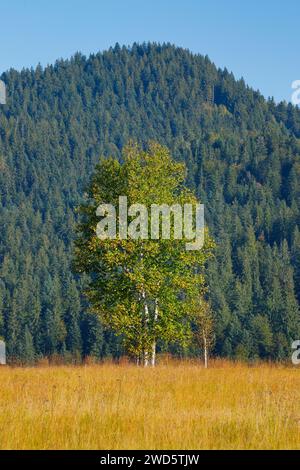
[243,158]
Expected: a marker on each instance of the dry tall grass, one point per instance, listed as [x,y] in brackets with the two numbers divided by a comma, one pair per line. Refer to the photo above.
[174,406]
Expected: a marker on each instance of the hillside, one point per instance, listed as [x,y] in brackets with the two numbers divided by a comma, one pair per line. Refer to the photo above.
[243,159]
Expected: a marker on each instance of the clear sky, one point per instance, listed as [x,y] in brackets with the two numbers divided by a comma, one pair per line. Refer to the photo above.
[256,39]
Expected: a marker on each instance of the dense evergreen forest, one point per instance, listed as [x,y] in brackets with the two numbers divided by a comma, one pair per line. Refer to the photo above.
[242,153]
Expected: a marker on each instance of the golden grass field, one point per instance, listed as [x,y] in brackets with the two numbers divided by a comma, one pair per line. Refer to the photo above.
[174,406]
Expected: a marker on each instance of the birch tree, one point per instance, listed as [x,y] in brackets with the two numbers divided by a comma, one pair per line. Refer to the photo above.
[141,288]
[204,327]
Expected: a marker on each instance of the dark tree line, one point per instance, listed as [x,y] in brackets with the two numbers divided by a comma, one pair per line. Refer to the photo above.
[243,158]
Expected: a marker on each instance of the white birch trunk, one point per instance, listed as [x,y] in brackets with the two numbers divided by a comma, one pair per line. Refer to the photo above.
[146,319]
[146,359]
[146,311]
[205,351]
[153,355]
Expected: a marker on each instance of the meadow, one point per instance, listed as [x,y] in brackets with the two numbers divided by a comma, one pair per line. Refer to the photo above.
[177,405]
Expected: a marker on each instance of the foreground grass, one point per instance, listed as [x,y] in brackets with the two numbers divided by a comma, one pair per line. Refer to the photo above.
[175,406]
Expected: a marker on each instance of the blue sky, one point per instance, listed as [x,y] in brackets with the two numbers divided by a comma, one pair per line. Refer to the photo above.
[258,40]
